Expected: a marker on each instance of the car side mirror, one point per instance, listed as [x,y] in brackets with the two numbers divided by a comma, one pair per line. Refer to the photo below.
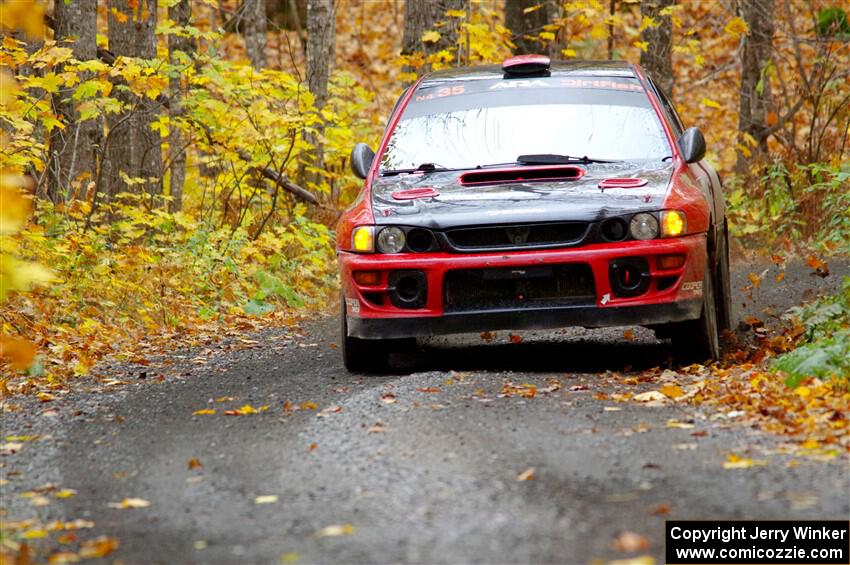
[692,145]
[361,160]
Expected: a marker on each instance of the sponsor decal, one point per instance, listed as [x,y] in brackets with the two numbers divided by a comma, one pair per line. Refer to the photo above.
[693,286]
[606,298]
[521,84]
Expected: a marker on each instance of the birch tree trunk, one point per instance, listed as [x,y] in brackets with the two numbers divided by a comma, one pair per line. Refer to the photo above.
[73,150]
[755,91]
[321,47]
[657,60]
[181,50]
[132,147]
[254,31]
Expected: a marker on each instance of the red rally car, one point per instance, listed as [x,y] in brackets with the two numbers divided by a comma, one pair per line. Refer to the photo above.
[533,195]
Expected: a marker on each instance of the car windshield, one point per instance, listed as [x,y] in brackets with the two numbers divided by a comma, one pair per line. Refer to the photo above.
[486,122]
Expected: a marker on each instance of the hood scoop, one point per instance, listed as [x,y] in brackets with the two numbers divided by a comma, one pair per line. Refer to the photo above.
[521,175]
[414,193]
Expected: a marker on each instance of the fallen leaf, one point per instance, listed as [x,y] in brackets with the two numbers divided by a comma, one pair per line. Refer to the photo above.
[312,447]
[10,448]
[63,557]
[649,396]
[203,412]
[388,398]
[246,410]
[429,389]
[629,334]
[66,493]
[377,428]
[19,352]
[527,475]
[194,463]
[660,510]
[780,276]
[336,530]
[130,503]
[679,425]
[488,336]
[736,462]
[291,557]
[98,547]
[265,499]
[754,279]
[515,338]
[820,267]
[672,391]
[630,542]
[39,500]
[307,405]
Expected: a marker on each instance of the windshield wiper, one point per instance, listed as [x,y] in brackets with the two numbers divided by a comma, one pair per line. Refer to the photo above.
[552,159]
[423,168]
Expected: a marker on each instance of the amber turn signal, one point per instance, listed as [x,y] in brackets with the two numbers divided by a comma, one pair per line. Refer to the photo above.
[363,239]
[369,278]
[670,261]
[673,223]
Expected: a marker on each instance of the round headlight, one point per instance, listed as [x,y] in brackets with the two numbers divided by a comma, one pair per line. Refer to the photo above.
[390,240]
[643,226]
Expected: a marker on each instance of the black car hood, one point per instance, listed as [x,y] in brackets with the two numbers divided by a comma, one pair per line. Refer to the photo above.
[520,202]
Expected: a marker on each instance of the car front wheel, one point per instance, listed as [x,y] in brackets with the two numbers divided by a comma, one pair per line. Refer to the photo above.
[698,340]
[362,355]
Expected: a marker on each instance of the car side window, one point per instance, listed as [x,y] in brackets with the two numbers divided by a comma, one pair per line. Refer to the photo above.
[669,110]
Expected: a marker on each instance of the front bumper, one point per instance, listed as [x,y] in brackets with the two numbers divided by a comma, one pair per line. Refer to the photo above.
[674,301]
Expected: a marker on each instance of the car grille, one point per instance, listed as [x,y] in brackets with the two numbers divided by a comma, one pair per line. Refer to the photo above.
[517,236]
[518,287]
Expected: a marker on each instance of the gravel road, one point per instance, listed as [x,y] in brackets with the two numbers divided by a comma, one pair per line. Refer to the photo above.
[416,467]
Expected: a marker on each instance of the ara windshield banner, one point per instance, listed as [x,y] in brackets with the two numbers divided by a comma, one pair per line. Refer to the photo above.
[820,542]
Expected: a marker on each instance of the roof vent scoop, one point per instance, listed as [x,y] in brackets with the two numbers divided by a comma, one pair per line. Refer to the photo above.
[526,66]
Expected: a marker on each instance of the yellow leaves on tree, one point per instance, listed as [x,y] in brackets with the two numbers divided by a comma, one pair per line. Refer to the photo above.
[26,15]
[736,27]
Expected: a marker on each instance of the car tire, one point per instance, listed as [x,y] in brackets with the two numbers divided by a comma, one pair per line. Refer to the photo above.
[699,340]
[722,282]
[361,355]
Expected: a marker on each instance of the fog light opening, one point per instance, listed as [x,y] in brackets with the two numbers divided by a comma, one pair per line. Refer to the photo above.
[407,288]
[629,276]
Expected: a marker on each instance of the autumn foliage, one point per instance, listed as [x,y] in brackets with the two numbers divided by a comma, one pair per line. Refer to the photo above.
[117,262]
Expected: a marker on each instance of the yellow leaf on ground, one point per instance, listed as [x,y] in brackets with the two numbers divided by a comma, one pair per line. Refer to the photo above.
[98,547]
[336,530]
[66,493]
[130,503]
[203,412]
[672,391]
[527,475]
[265,499]
[649,396]
[737,462]
[18,352]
